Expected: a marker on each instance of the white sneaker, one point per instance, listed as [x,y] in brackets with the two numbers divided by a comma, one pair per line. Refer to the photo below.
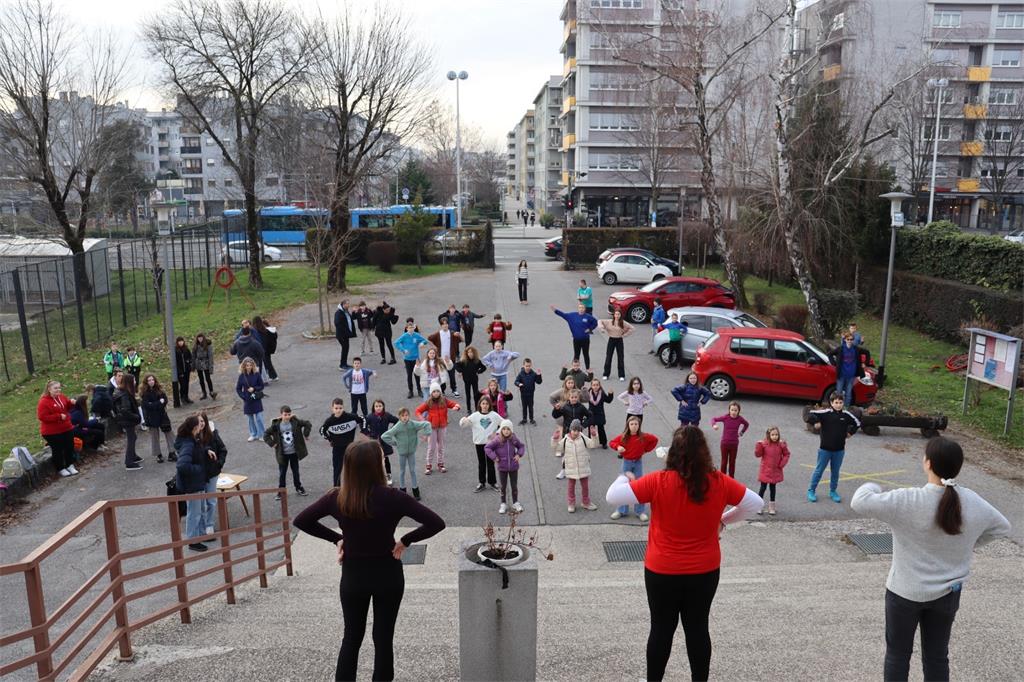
[64,473]
[604,378]
[503,508]
[622,378]
[561,474]
[209,530]
[517,507]
[389,479]
[590,507]
[644,518]
[616,515]
[252,438]
[72,469]
[572,508]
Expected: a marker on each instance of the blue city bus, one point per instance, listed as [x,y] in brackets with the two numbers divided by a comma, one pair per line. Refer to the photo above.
[385,216]
[279,225]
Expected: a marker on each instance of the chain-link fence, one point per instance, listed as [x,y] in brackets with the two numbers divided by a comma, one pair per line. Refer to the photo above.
[51,308]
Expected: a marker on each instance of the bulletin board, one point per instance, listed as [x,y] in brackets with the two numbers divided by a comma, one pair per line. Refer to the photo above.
[993,359]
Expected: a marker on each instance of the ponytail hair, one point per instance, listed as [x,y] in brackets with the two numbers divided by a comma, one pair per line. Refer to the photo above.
[946,458]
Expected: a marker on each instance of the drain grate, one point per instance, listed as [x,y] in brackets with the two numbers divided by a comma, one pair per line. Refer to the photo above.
[872,543]
[628,550]
[416,554]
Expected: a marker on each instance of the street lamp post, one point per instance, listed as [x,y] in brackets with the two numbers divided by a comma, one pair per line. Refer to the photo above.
[896,220]
[939,85]
[460,76]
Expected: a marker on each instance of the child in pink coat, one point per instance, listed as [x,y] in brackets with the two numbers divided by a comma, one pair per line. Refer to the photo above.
[774,454]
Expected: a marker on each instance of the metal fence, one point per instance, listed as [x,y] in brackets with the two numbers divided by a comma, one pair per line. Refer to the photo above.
[53,308]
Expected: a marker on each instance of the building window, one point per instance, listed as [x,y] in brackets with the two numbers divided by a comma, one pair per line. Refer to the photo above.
[945,55]
[606,121]
[838,21]
[1002,133]
[211,162]
[1010,20]
[947,95]
[946,19]
[270,182]
[229,183]
[1002,96]
[211,183]
[929,132]
[618,4]
[1006,58]
[599,161]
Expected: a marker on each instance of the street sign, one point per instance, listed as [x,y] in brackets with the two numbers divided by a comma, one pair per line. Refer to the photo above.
[405,193]
[898,220]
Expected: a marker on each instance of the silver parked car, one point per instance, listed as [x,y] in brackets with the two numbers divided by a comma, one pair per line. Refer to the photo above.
[702,323]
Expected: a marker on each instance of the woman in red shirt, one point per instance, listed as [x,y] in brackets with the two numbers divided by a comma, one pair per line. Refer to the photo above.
[54,415]
[681,569]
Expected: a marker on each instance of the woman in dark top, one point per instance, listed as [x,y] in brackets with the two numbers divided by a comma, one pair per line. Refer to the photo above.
[368,511]
[384,317]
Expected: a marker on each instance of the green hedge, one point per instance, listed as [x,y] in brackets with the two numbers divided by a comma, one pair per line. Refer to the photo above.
[360,240]
[943,250]
[937,307]
[582,245]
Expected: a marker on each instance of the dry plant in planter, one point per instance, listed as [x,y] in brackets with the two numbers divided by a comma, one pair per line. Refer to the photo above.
[504,545]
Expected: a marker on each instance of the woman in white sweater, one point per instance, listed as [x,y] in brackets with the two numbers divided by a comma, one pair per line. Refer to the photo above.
[935,529]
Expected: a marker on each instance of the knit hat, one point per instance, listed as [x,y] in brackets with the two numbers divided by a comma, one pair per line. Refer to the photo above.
[575,425]
[434,386]
[506,424]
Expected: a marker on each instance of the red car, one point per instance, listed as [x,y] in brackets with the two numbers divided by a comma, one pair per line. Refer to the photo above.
[675,292]
[772,362]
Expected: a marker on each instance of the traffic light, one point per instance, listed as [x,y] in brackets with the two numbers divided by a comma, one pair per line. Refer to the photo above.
[568,203]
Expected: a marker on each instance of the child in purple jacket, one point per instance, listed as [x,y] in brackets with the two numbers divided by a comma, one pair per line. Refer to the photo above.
[506,450]
[733,427]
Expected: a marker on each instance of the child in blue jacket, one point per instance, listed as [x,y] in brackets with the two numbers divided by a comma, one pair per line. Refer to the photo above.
[691,395]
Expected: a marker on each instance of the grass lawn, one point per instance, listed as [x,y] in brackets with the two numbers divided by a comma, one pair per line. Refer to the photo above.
[916,375]
[284,288]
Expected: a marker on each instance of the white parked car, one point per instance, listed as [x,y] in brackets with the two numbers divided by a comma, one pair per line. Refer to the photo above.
[1015,237]
[237,252]
[631,267]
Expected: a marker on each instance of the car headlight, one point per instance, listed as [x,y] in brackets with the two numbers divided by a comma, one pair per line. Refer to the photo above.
[867,380]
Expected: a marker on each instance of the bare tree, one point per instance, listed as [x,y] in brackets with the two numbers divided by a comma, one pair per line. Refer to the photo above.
[228,62]
[1002,161]
[367,83]
[437,135]
[57,101]
[485,172]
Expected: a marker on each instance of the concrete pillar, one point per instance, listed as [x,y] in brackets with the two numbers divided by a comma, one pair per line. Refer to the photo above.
[497,627]
[975,209]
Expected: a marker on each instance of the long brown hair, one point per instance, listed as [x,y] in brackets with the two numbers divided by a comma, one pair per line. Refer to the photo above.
[364,470]
[626,435]
[127,383]
[145,388]
[690,457]
[946,457]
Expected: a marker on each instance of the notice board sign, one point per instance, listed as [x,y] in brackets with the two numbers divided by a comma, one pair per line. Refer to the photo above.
[993,359]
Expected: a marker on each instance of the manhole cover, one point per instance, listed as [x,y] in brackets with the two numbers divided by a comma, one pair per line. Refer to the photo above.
[872,543]
[628,550]
[416,554]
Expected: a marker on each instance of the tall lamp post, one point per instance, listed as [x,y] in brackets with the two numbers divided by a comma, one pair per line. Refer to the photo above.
[460,76]
[939,85]
[896,220]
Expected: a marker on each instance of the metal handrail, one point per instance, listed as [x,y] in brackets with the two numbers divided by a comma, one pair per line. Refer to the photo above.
[46,641]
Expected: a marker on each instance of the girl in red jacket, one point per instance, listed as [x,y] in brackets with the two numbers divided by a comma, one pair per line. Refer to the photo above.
[498,329]
[435,411]
[54,414]
[632,444]
[774,454]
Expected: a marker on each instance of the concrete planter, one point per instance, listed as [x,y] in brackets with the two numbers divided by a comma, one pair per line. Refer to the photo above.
[497,620]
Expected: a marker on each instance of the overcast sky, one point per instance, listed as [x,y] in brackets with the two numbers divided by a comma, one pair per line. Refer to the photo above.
[509,48]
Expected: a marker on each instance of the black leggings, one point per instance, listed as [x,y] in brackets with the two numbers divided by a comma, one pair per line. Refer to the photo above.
[472,385]
[522,289]
[411,376]
[902,616]
[205,381]
[673,599]
[581,346]
[527,402]
[770,486]
[383,582]
[268,364]
[62,449]
[602,435]
[513,478]
[485,467]
[385,341]
[614,346]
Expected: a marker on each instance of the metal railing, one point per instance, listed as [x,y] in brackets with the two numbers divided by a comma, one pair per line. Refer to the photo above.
[47,637]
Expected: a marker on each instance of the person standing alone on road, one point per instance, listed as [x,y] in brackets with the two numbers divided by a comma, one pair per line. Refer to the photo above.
[367,512]
[585,295]
[344,332]
[836,425]
[733,427]
[522,280]
[616,329]
[581,326]
[935,529]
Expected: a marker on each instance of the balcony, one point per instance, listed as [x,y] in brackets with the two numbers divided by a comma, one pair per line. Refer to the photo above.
[570,64]
[830,73]
[568,104]
[975,111]
[972,148]
[565,179]
[979,74]
[569,30]
[191,150]
[968,185]
[568,141]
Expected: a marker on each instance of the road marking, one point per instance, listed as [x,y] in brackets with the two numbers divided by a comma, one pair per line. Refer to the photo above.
[874,477]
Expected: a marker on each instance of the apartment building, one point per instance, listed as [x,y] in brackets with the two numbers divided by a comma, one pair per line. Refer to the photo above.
[522,160]
[547,106]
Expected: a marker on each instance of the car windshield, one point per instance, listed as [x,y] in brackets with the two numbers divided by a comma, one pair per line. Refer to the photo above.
[710,340]
[653,286]
[745,320]
[820,353]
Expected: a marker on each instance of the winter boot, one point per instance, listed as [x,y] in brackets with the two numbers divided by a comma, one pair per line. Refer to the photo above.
[771,509]
[416,494]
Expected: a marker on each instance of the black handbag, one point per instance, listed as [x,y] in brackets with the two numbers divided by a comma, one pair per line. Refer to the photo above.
[172,489]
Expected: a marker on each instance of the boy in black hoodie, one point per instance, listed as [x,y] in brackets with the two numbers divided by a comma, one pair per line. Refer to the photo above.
[527,381]
[340,430]
[836,426]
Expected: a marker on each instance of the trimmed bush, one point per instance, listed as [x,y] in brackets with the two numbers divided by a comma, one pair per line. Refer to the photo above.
[583,245]
[763,302]
[383,255]
[547,219]
[792,317]
[937,307]
[837,307]
[943,250]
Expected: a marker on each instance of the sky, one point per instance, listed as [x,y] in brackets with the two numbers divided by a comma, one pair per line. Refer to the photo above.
[508,47]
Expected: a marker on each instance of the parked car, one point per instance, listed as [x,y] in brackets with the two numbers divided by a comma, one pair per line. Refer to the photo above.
[553,247]
[238,252]
[772,362]
[630,267]
[1016,237]
[646,253]
[636,304]
[701,323]
[452,242]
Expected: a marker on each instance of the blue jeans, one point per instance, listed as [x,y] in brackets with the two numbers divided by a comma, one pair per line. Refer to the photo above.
[407,461]
[844,385]
[637,467]
[210,509]
[833,459]
[502,380]
[256,427]
[194,521]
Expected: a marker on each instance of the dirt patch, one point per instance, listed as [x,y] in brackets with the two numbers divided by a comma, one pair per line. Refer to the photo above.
[998,460]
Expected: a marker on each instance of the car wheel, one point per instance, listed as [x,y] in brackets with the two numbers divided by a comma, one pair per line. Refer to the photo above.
[610,278]
[637,314]
[666,355]
[721,387]
[267,258]
[658,277]
[828,391]
[228,261]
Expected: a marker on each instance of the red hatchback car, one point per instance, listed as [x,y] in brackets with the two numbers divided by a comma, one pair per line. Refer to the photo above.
[772,362]
[636,305]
